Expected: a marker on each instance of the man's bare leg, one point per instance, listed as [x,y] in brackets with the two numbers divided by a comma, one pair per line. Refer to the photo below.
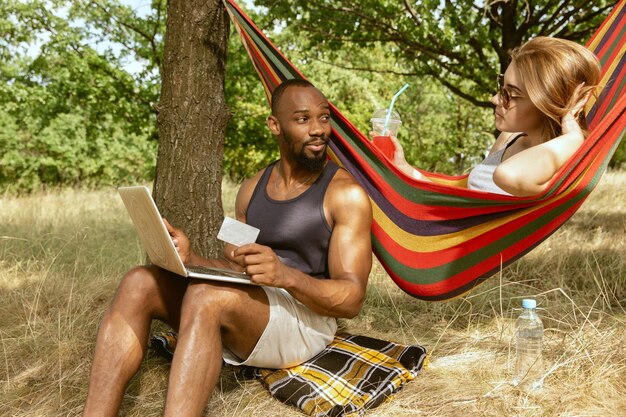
[143,294]
[212,314]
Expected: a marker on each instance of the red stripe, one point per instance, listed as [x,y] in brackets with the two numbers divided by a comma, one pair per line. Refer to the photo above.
[440,289]
[425,260]
[608,21]
[607,101]
[610,42]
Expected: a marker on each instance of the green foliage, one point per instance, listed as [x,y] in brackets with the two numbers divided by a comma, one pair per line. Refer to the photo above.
[440,131]
[62,153]
[73,111]
[248,145]
[447,134]
[619,158]
[461,43]
[71,115]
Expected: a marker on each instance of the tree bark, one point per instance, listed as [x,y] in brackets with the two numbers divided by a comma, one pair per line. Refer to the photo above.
[192,118]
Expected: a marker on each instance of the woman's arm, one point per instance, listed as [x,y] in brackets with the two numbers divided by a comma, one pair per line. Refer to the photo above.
[530,171]
[400,162]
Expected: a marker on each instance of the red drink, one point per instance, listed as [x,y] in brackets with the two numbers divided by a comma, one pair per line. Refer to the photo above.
[385,145]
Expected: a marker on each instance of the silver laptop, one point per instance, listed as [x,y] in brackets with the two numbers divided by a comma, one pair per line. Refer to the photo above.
[156,240]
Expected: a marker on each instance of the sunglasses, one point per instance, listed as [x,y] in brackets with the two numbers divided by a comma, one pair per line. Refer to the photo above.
[503,94]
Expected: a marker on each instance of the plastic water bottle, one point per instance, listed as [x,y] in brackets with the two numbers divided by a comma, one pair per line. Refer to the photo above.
[528,346]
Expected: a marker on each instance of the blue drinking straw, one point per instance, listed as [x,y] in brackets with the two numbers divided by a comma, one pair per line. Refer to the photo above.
[393,100]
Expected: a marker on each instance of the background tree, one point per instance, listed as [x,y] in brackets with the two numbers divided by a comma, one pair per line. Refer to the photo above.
[192,117]
[459,44]
[72,113]
[463,44]
[79,80]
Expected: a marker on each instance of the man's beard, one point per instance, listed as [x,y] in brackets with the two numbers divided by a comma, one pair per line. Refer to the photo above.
[311,164]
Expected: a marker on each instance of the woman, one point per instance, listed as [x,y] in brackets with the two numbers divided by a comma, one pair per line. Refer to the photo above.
[539,107]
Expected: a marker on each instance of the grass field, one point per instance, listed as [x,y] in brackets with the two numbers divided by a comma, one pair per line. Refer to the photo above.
[62,254]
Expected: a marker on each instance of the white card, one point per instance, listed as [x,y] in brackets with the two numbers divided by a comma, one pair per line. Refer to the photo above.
[237,233]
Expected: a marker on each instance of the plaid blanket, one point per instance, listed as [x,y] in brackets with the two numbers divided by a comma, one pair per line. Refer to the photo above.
[353,374]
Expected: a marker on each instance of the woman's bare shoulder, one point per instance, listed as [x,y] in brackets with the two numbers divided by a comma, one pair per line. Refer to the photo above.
[503,139]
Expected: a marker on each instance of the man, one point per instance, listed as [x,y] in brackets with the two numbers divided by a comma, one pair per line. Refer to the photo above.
[311,264]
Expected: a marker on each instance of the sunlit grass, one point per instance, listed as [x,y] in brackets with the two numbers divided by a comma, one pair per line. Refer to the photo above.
[62,254]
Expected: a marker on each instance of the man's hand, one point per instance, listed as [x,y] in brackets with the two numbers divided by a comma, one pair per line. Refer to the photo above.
[181,242]
[262,264]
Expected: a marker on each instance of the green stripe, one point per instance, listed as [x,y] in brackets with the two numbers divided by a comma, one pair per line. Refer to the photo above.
[441,273]
[608,53]
[260,44]
[410,192]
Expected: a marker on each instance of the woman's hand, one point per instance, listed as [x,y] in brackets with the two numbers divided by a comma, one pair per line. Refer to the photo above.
[398,157]
[569,122]
[398,154]
[400,161]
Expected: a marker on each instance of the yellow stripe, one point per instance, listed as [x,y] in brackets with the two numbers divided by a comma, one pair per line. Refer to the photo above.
[607,77]
[606,26]
[427,244]
[594,44]
[454,182]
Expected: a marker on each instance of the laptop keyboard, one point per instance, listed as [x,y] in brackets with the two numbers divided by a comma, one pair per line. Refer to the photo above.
[216,271]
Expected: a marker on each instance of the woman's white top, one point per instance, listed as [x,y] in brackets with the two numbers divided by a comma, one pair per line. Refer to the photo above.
[481,176]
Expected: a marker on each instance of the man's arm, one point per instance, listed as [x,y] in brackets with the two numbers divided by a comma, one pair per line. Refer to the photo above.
[348,208]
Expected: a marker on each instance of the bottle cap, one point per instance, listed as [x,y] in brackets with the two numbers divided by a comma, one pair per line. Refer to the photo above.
[529,303]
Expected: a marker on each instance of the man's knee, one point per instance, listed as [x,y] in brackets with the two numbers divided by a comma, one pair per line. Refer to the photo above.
[138,280]
[139,287]
[207,300]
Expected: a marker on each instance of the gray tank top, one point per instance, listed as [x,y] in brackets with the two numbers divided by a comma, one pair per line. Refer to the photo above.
[481,176]
[295,229]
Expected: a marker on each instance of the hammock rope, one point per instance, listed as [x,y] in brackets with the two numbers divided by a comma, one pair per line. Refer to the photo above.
[439,240]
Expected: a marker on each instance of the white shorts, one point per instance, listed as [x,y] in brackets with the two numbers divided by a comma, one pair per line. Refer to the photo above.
[294,334]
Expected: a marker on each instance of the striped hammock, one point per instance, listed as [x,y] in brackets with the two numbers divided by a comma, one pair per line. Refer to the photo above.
[439,240]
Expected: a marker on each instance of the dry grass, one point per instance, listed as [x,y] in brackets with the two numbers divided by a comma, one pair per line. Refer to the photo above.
[62,253]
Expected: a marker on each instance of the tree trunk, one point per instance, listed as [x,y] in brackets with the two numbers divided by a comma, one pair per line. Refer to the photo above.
[192,118]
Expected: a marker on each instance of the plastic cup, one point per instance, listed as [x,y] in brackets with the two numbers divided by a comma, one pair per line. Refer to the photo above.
[382,139]
[385,145]
[378,123]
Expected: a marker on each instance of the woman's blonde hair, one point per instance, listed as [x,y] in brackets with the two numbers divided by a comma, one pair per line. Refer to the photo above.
[550,70]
